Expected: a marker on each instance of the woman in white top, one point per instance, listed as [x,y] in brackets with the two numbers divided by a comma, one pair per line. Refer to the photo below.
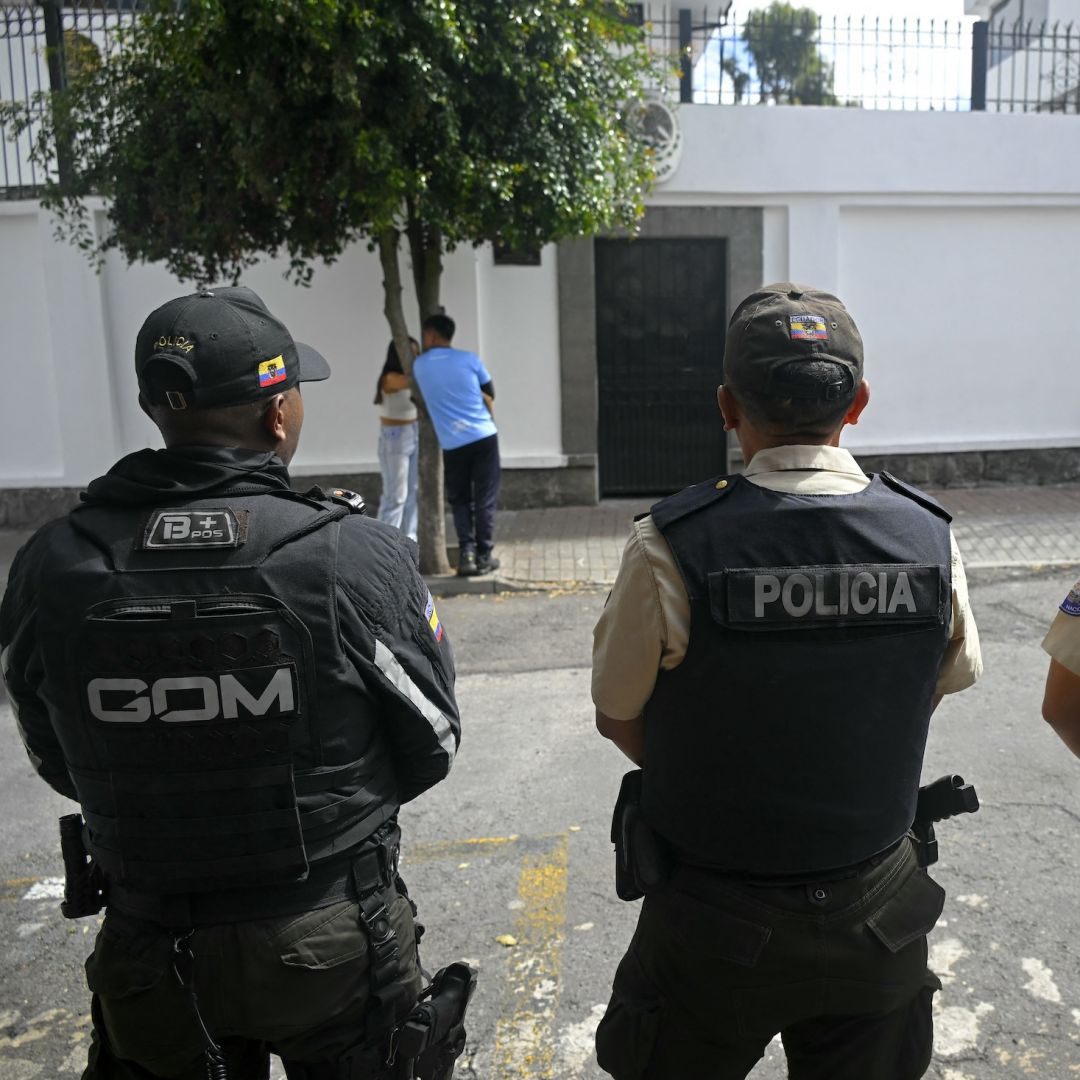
[399,444]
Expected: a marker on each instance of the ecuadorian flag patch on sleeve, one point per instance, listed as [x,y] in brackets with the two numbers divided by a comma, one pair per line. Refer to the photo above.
[432,617]
[1071,604]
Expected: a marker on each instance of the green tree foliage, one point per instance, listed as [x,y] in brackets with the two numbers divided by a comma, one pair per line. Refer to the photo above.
[782,41]
[221,132]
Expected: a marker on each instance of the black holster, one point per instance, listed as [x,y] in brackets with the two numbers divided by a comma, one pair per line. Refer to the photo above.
[642,857]
[84,883]
[423,1046]
[944,798]
[431,1038]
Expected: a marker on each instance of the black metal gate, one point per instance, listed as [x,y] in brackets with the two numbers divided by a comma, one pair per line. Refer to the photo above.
[660,322]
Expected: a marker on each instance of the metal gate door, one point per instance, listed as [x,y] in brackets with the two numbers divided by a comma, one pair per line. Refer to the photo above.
[660,323]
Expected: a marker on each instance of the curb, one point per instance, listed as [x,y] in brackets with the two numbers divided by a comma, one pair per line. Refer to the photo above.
[451,585]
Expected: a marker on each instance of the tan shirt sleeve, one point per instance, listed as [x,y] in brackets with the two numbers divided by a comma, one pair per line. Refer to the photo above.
[1062,641]
[644,627]
[962,663]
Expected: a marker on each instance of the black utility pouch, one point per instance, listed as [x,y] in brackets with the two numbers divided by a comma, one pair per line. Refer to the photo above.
[911,913]
[622,830]
[642,859]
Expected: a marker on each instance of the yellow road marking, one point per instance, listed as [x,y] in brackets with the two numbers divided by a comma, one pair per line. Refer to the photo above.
[441,849]
[525,1040]
[13,888]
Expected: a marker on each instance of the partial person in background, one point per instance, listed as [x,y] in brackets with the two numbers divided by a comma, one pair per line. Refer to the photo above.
[459,396]
[399,443]
[1061,699]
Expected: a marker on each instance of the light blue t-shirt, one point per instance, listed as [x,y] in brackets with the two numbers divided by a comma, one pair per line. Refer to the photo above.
[450,380]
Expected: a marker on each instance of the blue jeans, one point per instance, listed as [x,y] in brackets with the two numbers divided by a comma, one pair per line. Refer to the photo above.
[399,457]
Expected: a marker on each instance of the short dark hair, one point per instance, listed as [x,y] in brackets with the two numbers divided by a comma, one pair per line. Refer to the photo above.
[815,416]
[392,363]
[443,325]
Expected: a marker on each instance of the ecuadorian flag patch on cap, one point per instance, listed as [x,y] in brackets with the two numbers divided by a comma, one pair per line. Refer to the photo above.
[808,328]
[432,617]
[272,371]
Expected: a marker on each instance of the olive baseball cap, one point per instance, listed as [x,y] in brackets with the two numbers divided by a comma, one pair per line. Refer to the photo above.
[778,331]
[219,347]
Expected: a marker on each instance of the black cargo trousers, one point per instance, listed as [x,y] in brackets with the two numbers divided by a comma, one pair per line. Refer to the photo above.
[298,985]
[717,967]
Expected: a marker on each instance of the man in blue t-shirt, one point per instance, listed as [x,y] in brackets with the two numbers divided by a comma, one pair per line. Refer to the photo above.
[458,393]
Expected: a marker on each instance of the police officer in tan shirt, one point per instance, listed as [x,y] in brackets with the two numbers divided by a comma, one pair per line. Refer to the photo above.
[1061,700]
[770,653]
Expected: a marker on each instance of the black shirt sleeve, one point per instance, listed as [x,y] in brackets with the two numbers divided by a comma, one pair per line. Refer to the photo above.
[395,638]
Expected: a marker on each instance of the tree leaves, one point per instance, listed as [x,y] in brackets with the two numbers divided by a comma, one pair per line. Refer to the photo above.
[224,131]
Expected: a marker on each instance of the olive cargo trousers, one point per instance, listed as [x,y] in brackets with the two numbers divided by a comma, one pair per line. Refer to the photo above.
[295,984]
[717,967]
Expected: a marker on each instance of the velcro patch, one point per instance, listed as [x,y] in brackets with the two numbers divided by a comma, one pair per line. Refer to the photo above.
[814,597]
[219,527]
[808,328]
[1071,604]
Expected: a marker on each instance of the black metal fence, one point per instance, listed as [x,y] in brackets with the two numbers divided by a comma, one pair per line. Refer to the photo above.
[40,44]
[742,56]
[721,54]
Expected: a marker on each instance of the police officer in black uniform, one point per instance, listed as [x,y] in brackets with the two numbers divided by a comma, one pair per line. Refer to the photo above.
[770,654]
[240,685]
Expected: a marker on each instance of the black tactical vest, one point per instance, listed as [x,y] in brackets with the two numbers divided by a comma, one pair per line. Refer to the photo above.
[790,739]
[216,733]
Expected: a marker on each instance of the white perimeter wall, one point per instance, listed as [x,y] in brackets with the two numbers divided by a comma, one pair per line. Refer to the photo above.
[954,238]
[67,337]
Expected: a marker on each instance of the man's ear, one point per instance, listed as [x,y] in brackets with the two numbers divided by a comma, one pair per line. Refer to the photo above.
[729,408]
[862,399]
[273,418]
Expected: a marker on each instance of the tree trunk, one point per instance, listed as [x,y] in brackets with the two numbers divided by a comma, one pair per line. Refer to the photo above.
[431,526]
[425,247]
[426,254]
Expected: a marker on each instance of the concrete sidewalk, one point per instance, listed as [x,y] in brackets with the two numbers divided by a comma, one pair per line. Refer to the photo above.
[580,546]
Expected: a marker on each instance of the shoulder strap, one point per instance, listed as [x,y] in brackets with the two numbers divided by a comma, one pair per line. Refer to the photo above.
[915,495]
[691,499]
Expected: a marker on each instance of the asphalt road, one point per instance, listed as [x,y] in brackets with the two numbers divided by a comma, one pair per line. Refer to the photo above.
[515,843]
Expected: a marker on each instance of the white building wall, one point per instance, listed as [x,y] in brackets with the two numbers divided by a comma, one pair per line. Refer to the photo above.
[951,236]
[518,312]
[73,408]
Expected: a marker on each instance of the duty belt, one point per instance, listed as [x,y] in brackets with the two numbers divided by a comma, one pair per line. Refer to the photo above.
[369,869]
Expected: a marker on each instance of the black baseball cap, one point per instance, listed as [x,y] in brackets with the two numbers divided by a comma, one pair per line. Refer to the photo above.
[778,330]
[219,347]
